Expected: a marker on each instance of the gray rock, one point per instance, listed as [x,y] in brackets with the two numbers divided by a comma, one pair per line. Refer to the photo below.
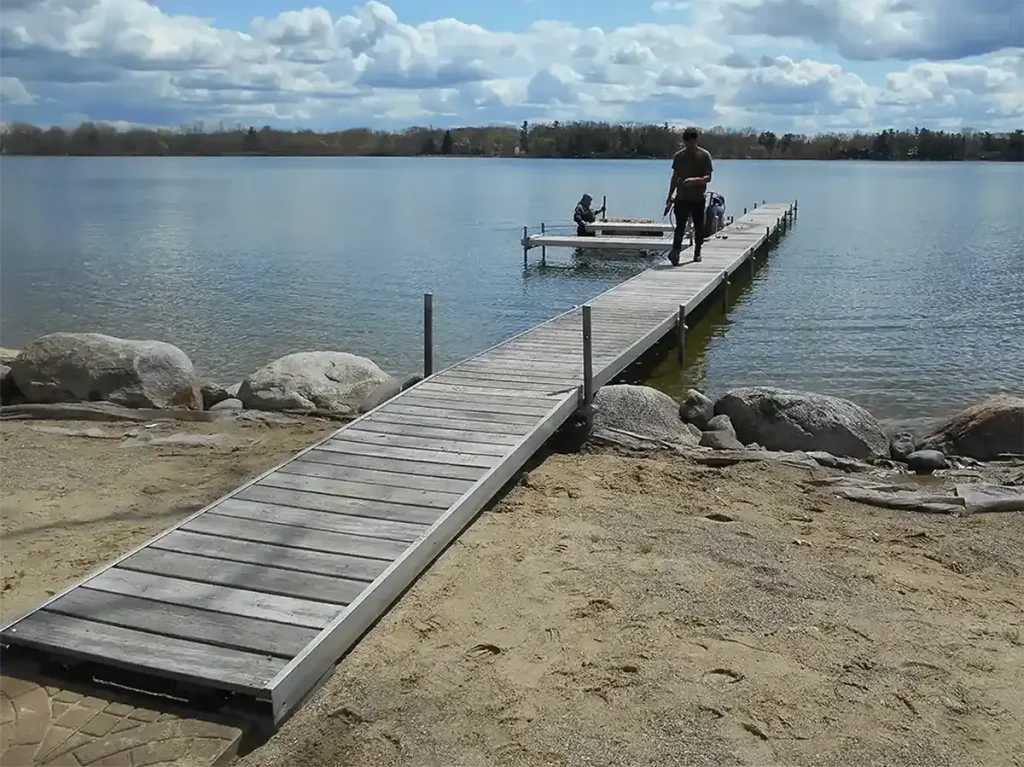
[335,382]
[788,421]
[720,423]
[7,356]
[982,497]
[901,445]
[213,393]
[697,433]
[926,461]
[233,389]
[227,404]
[903,499]
[985,431]
[697,409]
[842,463]
[640,412]
[9,392]
[385,391]
[720,440]
[411,381]
[91,367]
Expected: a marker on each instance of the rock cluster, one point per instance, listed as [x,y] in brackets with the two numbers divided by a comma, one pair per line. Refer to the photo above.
[91,367]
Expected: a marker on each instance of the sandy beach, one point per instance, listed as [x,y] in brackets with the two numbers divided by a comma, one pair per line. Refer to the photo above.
[611,609]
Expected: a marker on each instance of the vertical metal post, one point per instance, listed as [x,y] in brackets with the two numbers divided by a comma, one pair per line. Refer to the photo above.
[604,206]
[725,293]
[795,204]
[543,248]
[681,331]
[428,334]
[744,211]
[588,367]
[525,247]
[755,204]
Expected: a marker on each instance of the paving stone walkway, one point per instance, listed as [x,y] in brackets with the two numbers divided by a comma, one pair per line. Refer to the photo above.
[43,724]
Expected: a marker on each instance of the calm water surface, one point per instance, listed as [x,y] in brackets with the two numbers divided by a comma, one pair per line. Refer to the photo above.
[901,287]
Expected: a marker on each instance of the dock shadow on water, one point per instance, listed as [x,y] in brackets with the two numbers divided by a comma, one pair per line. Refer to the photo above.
[661,367]
[605,264]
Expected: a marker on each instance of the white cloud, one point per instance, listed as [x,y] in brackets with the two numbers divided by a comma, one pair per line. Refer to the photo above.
[885,29]
[128,60]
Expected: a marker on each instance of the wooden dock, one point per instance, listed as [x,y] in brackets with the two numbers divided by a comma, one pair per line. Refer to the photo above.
[260,593]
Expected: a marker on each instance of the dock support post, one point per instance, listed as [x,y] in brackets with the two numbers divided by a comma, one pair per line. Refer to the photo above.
[795,204]
[588,368]
[681,333]
[526,248]
[428,335]
[755,204]
[744,211]
[725,293]
[604,205]
[543,248]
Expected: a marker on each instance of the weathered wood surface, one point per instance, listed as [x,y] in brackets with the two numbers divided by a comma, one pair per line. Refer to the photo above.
[264,589]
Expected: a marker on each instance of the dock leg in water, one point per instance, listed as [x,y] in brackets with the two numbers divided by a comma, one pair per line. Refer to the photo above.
[588,369]
[428,335]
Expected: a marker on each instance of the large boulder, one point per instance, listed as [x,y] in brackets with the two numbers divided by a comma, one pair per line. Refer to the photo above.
[91,367]
[787,420]
[336,382]
[640,412]
[984,431]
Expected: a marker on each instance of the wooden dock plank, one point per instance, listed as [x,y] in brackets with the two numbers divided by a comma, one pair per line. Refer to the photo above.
[430,409]
[490,436]
[236,632]
[441,421]
[140,650]
[278,490]
[424,443]
[233,601]
[283,534]
[329,470]
[342,444]
[303,519]
[268,580]
[292,567]
[351,567]
[360,491]
[399,466]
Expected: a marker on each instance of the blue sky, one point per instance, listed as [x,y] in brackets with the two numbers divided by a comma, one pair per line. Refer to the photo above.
[801,65]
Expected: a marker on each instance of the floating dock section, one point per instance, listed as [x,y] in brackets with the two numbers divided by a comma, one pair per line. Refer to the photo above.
[259,594]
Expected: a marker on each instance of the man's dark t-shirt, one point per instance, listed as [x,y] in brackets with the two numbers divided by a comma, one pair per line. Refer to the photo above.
[687,165]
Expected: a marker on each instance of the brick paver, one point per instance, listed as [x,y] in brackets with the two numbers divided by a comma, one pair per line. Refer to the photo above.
[43,724]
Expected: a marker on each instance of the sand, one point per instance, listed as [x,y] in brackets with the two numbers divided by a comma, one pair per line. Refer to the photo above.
[76,494]
[624,611]
[610,609]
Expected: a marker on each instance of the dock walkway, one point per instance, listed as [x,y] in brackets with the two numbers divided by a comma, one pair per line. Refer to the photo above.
[261,592]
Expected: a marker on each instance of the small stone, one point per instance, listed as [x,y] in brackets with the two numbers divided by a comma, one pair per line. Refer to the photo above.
[213,393]
[926,461]
[100,724]
[721,423]
[696,408]
[901,446]
[230,403]
[720,440]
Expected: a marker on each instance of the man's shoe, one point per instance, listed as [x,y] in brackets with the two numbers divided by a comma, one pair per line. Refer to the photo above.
[696,256]
[673,257]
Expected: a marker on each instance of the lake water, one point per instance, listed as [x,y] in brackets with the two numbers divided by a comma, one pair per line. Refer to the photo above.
[901,287]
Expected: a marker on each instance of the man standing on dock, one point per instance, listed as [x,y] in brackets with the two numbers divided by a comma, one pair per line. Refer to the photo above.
[691,174]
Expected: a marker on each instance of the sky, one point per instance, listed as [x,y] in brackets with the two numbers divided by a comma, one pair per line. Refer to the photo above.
[804,66]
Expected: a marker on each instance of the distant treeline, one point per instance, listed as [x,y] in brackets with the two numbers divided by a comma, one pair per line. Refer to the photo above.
[566,140]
